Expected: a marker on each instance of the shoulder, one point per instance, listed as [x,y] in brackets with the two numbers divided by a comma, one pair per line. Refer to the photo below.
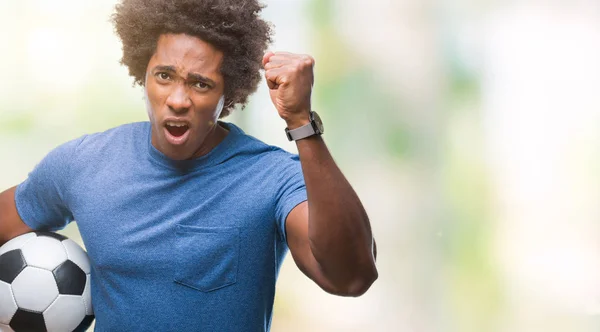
[271,166]
[102,145]
[249,146]
[112,142]
[127,133]
[84,150]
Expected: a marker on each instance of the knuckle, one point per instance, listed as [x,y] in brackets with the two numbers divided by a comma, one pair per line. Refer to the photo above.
[309,60]
[301,65]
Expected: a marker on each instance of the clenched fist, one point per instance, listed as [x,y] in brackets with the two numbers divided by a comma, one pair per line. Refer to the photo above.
[290,79]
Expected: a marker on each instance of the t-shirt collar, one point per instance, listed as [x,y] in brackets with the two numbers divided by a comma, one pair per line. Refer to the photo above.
[215,156]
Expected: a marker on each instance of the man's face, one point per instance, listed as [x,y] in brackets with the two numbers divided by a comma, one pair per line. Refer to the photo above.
[183,87]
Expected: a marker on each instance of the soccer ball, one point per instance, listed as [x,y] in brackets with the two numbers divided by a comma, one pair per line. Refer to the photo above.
[44,284]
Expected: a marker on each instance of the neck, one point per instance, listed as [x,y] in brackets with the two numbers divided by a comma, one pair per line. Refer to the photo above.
[215,136]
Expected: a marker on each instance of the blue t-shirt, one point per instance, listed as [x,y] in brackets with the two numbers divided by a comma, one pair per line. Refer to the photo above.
[174,245]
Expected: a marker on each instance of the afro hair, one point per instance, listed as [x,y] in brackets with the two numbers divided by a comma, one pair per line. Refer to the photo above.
[232,26]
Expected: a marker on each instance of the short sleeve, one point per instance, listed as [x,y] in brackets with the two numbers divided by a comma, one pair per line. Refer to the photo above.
[292,191]
[41,200]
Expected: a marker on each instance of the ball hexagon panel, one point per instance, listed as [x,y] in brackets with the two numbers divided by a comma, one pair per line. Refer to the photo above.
[77,255]
[87,296]
[17,242]
[56,236]
[5,328]
[27,321]
[12,263]
[70,279]
[44,252]
[34,289]
[8,307]
[65,313]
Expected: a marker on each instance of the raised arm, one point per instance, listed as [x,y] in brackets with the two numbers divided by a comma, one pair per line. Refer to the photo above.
[330,235]
[11,224]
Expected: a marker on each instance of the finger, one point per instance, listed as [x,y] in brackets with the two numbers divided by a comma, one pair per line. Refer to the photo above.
[270,81]
[274,64]
[272,85]
[309,60]
[284,53]
[292,56]
[267,57]
[305,60]
[276,61]
[275,77]
[283,58]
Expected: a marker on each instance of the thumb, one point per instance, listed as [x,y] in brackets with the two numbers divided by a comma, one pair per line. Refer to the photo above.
[272,79]
[272,85]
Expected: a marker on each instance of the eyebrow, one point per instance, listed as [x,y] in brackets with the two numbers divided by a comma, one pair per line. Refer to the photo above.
[191,76]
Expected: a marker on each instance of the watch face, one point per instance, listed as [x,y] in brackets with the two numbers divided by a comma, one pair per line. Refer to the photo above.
[318,122]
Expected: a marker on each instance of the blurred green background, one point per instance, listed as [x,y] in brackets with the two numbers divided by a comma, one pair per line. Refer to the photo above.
[470,130]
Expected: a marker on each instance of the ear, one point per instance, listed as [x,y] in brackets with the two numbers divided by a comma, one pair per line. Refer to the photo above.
[220,105]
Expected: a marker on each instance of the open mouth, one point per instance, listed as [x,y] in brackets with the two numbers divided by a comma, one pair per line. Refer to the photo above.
[177,133]
[177,130]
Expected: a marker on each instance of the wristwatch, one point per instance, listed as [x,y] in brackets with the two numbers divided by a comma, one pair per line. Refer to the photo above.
[314,127]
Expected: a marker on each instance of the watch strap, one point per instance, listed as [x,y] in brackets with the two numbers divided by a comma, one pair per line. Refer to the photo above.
[301,132]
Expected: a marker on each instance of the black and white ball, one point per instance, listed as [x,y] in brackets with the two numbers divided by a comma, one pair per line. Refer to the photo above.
[44,284]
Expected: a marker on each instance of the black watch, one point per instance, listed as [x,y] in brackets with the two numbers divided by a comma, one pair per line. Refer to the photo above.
[314,127]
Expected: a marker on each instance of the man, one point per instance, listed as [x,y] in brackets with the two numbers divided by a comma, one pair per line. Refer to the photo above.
[186,219]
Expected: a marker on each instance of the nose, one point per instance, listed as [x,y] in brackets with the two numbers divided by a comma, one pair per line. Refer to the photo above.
[179,101]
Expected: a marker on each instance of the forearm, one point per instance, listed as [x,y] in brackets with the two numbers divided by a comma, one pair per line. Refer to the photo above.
[339,229]
[11,224]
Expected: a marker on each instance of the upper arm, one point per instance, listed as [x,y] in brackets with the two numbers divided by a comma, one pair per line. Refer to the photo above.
[11,224]
[43,199]
[298,242]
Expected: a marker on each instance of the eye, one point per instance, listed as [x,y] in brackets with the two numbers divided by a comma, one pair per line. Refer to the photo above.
[201,85]
[163,76]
